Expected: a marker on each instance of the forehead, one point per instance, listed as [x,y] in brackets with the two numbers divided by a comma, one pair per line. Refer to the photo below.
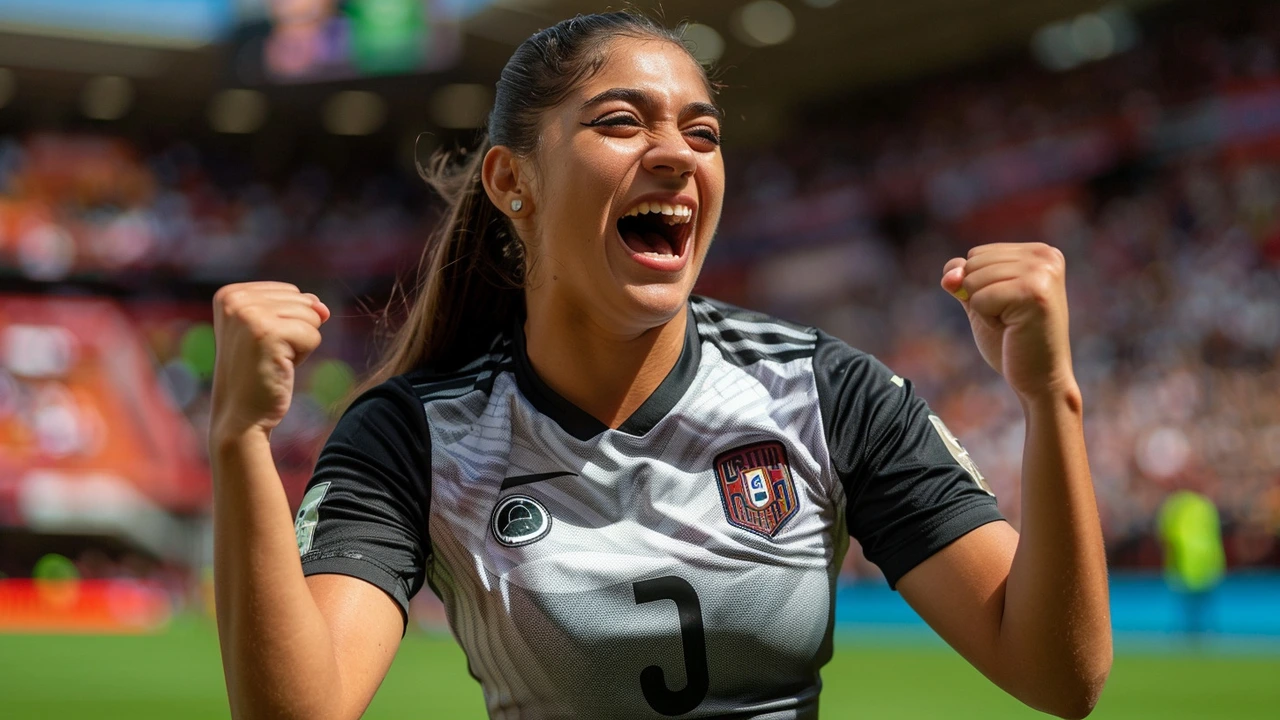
[656,66]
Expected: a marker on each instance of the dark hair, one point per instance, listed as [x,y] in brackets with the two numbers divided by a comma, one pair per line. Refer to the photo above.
[471,277]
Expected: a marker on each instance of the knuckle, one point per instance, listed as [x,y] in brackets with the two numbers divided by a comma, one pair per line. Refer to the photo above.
[258,325]
[235,301]
[1041,285]
[261,331]
[1049,254]
[223,294]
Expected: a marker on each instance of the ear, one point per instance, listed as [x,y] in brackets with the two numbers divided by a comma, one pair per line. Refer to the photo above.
[501,174]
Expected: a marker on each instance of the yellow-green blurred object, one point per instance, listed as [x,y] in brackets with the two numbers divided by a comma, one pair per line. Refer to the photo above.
[1192,537]
[55,567]
[57,581]
[198,349]
[330,382]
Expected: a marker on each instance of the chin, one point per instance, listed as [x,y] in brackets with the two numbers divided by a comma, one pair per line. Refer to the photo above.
[654,304]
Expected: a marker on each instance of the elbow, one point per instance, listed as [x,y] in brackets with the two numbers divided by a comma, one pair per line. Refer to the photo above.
[1076,698]
[1079,705]
[1067,690]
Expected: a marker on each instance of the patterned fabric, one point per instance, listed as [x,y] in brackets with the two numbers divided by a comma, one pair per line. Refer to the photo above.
[682,565]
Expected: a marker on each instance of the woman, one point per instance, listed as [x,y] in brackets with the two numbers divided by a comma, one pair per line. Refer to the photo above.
[562,437]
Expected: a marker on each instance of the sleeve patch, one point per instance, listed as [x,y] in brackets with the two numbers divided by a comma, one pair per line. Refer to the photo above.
[959,453]
[309,516]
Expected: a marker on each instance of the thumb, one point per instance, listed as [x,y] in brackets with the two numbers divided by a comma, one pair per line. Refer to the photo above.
[952,279]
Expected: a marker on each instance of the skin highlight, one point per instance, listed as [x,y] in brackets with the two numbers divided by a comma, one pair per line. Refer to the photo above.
[603,331]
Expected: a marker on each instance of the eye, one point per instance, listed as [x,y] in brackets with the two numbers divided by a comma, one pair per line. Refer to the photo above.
[618,119]
[706,134]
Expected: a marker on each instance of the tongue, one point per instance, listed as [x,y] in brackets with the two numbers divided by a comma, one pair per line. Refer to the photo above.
[648,242]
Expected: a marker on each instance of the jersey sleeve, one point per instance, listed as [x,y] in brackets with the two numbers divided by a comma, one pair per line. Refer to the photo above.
[910,487]
[366,507]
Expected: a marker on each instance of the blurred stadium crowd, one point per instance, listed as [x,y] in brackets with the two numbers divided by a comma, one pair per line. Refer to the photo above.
[1156,171]
[77,206]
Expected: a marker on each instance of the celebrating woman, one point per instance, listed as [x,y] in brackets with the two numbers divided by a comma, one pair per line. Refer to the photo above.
[634,502]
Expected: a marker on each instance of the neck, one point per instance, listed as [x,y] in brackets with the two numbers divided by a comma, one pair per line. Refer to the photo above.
[605,373]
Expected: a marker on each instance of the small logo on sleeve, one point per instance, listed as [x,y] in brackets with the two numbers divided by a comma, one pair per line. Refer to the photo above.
[519,520]
[959,453]
[304,526]
[756,486]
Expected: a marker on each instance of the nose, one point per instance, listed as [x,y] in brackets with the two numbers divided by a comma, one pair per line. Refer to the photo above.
[670,156]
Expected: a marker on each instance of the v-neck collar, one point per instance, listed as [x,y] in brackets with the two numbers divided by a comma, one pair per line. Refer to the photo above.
[584,426]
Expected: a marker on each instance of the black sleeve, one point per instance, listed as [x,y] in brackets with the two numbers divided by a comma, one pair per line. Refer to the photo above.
[911,489]
[366,507]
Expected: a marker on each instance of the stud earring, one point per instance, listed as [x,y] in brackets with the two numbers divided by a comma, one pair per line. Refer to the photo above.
[516,205]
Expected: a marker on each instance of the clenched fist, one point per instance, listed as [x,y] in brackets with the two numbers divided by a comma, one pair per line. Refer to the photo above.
[1016,298]
[264,330]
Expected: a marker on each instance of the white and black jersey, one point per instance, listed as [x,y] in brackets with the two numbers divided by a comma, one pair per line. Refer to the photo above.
[682,565]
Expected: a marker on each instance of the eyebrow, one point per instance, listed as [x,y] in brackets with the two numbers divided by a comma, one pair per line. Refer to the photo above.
[643,99]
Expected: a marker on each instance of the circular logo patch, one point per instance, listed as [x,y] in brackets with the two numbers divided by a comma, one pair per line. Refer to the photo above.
[519,520]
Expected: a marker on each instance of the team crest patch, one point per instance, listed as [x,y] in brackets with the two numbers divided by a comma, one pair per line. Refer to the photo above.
[304,525]
[756,486]
[959,453]
[519,520]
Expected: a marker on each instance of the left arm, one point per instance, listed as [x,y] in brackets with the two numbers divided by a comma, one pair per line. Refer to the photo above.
[1030,612]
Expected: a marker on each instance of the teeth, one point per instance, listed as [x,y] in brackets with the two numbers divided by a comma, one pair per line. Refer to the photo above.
[674,214]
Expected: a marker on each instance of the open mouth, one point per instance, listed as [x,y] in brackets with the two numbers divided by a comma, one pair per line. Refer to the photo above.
[658,230]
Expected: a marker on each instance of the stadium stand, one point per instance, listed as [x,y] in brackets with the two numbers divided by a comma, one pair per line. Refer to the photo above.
[1157,171]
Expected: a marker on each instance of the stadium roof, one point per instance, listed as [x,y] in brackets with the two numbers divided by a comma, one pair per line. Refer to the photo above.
[837,45]
[845,43]
[840,46]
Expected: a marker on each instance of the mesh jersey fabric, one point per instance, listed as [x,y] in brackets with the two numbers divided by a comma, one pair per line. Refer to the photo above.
[681,565]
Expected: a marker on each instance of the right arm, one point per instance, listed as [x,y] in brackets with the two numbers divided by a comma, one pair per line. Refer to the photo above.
[292,646]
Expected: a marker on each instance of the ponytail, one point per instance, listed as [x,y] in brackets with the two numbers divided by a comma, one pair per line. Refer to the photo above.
[470,278]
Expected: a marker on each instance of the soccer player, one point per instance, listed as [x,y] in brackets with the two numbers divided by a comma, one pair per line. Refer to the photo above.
[633,501]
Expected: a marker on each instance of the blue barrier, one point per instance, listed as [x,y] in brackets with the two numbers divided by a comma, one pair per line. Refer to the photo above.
[1243,606]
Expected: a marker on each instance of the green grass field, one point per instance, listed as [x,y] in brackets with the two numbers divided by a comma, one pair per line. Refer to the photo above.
[177,675]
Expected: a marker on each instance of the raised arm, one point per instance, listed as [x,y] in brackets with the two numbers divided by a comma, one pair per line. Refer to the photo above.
[292,647]
[1030,612]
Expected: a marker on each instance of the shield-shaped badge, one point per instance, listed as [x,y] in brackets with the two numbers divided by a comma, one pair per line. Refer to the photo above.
[756,486]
